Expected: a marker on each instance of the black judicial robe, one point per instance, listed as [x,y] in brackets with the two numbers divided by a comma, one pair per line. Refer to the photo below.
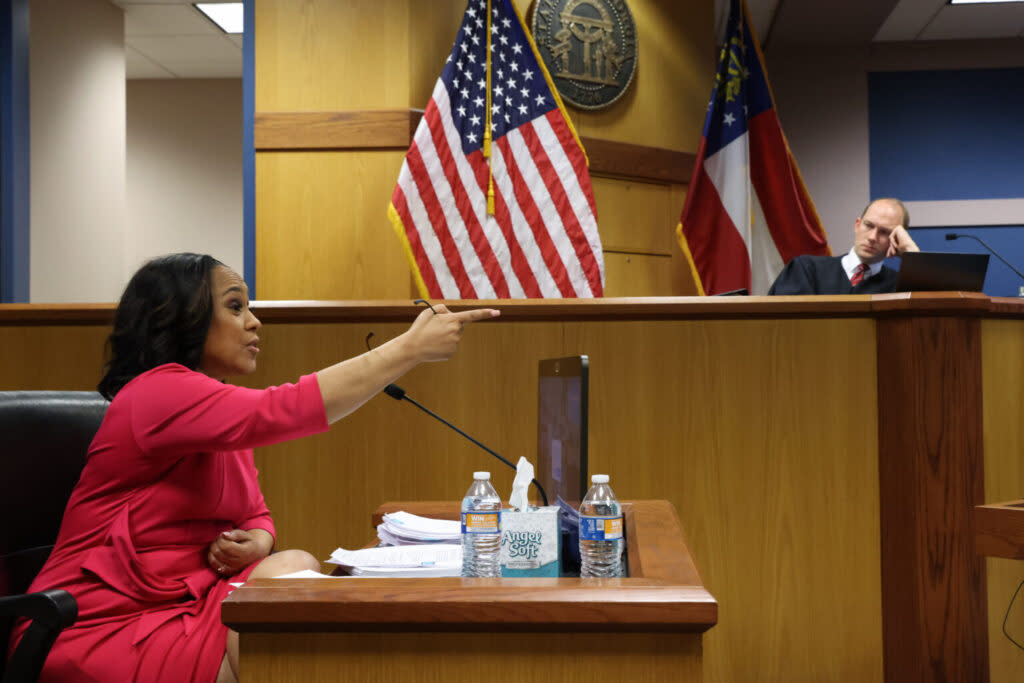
[825,275]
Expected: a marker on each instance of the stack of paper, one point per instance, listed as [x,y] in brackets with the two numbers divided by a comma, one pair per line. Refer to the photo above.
[435,559]
[402,528]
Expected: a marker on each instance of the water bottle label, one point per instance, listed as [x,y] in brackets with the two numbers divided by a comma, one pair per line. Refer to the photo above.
[601,528]
[481,522]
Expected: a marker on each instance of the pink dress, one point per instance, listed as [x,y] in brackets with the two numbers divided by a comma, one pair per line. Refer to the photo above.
[170,468]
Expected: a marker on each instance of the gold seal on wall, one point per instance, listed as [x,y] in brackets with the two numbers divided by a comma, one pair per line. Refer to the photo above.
[588,46]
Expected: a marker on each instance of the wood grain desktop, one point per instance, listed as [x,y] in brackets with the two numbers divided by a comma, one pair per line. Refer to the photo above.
[645,627]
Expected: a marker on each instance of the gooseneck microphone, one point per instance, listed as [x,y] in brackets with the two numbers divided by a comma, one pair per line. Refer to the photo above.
[955,235]
[398,393]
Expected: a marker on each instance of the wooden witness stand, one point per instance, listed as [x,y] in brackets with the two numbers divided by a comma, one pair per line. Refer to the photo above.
[645,627]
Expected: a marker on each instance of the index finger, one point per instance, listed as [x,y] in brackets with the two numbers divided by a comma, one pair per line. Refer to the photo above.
[476,314]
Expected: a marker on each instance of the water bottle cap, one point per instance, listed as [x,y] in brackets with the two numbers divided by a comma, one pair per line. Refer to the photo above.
[481,476]
[599,479]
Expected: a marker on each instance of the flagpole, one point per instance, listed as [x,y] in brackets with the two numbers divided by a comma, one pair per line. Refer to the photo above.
[487,119]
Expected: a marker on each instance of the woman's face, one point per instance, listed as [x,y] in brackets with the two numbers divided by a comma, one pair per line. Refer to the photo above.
[232,344]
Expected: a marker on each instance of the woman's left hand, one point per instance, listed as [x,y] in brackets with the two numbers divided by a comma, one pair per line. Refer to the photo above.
[232,551]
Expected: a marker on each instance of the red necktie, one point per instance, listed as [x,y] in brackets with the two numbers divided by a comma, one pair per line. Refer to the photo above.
[858,274]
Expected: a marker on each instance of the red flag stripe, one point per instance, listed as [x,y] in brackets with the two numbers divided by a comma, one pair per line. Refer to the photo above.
[435,217]
[550,197]
[459,204]
[521,228]
[574,153]
[563,182]
[716,245]
[423,264]
[427,238]
[472,192]
[522,196]
[787,209]
[517,260]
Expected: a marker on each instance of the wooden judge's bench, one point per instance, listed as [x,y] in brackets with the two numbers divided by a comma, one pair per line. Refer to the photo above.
[824,456]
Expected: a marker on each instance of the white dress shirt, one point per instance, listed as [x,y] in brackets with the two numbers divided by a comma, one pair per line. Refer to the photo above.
[851,261]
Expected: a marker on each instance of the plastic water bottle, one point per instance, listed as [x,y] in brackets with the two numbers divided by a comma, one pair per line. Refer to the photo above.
[481,528]
[600,530]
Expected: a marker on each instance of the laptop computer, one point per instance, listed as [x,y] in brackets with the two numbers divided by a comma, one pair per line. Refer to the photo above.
[927,271]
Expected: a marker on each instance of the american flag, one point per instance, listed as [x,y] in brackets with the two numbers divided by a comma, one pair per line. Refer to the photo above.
[747,211]
[541,240]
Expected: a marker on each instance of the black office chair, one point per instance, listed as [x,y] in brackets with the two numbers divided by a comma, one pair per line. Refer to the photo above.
[44,436]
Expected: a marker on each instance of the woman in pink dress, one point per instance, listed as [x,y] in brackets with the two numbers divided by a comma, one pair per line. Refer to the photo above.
[168,512]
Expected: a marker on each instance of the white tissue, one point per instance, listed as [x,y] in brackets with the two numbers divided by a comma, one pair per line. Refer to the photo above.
[520,485]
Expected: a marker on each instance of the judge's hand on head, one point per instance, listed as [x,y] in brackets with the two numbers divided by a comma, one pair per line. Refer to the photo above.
[900,242]
[232,551]
[436,332]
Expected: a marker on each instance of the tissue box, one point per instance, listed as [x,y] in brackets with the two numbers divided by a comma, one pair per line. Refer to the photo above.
[530,542]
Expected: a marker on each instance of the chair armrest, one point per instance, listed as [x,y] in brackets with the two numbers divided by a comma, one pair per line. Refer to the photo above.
[50,611]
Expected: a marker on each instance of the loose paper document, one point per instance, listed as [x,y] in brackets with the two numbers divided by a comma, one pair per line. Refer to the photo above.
[436,559]
[307,574]
[402,528]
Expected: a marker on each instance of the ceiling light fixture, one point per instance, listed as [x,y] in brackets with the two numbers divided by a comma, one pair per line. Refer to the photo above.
[229,16]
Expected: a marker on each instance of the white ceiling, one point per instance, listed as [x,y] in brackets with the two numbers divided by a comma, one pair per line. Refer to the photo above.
[785,23]
[172,39]
[938,20]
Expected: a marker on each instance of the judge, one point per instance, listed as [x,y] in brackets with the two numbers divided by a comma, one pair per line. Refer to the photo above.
[879,233]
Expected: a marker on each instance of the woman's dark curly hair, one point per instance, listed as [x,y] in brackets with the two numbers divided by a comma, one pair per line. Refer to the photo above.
[163,317]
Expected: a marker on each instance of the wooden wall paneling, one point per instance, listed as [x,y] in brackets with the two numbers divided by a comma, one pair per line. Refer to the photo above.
[629,274]
[57,357]
[322,230]
[667,102]
[639,162]
[326,55]
[930,477]
[357,129]
[772,468]
[635,216]
[1003,387]
[637,225]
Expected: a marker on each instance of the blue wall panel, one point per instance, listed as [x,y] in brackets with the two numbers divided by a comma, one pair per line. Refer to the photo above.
[948,136]
[938,135]
[14,152]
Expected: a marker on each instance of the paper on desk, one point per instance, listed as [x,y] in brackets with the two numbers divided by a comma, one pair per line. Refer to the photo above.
[411,526]
[406,572]
[404,556]
[307,574]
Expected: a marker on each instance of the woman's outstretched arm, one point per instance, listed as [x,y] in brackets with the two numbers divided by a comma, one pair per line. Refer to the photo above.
[432,337]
